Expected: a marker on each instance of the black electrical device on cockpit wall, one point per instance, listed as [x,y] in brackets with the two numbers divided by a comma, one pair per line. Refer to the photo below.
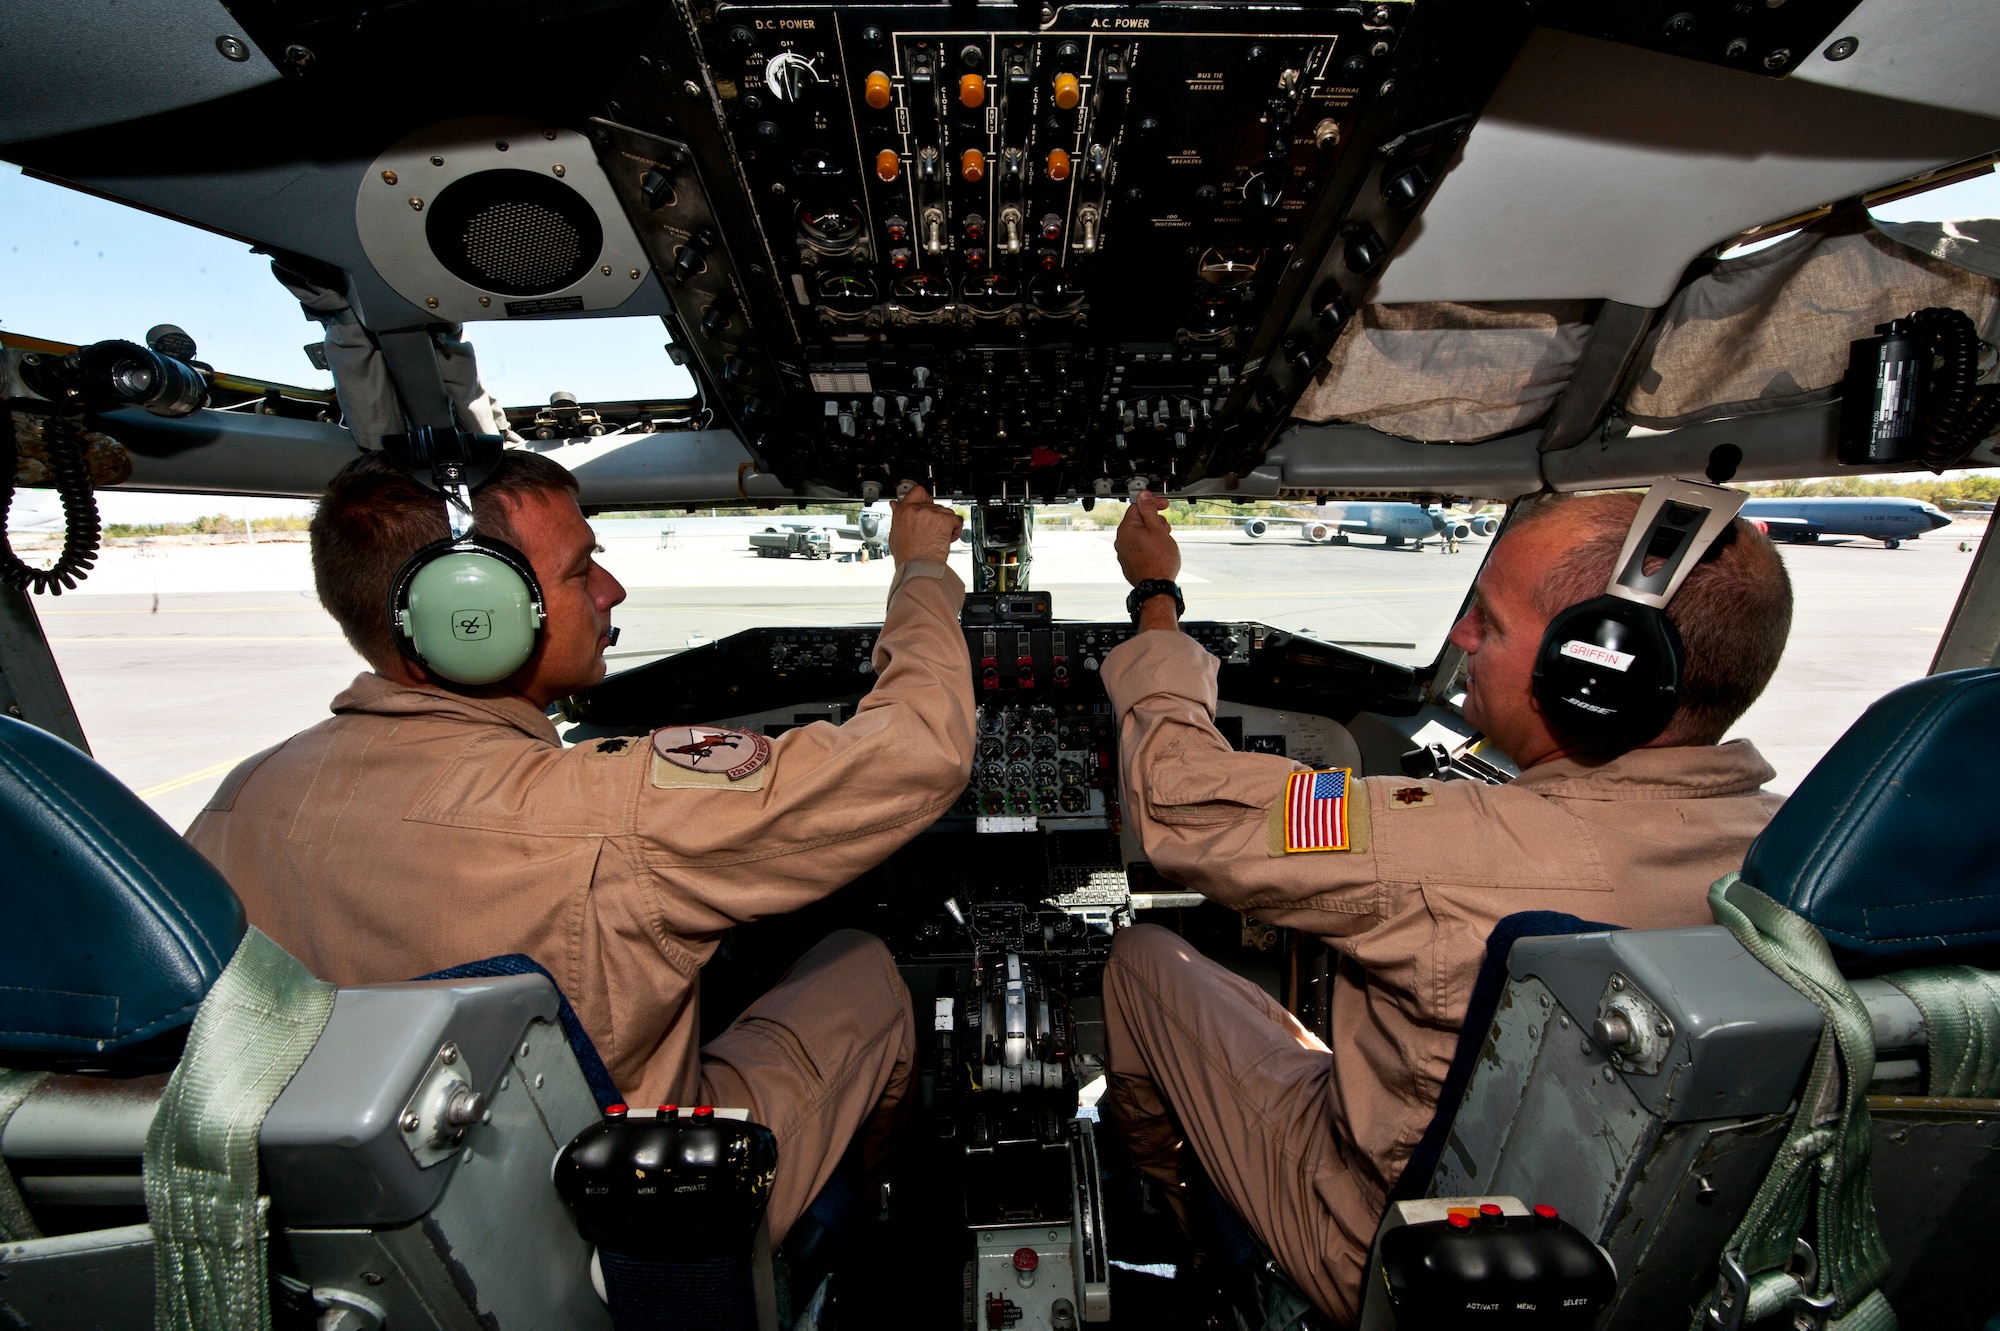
[1912,393]
[1608,673]
[160,377]
[466,607]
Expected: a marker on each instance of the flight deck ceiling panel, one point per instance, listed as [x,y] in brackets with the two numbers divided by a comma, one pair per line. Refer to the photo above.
[1938,52]
[84,63]
[1601,171]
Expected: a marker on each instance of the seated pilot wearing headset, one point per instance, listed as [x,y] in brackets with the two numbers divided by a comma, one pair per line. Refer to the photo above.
[436,819]
[1626,809]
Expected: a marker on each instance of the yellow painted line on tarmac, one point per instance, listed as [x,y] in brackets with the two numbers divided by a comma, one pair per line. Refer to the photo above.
[196,637]
[182,782]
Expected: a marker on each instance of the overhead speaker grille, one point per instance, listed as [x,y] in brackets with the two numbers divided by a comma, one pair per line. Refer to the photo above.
[491,217]
[514,232]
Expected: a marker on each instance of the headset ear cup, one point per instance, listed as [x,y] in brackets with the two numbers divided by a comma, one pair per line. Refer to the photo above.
[1608,674]
[468,610]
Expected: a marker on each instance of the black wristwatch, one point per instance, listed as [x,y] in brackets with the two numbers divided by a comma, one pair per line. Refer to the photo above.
[1150,588]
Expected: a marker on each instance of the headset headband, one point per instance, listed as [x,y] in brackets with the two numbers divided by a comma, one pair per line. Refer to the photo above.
[449,461]
[1676,523]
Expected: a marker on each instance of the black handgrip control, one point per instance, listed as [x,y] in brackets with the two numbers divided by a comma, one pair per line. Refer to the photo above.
[673,1204]
[682,1185]
[1496,1271]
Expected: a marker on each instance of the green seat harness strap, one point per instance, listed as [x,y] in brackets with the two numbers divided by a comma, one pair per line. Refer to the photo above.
[1961,1009]
[1824,1156]
[15,1222]
[210,1226]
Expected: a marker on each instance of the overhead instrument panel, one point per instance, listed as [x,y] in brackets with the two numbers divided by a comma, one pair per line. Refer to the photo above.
[1075,257]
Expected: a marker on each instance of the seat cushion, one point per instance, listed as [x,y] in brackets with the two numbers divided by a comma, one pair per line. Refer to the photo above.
[1889,845]
[114,927]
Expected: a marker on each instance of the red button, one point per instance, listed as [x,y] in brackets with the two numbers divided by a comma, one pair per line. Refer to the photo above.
[704,1111]
[1546,1214]
[1458,1221]
[670,1111]
[614,1111]
[1491,1210]
[1026,1259]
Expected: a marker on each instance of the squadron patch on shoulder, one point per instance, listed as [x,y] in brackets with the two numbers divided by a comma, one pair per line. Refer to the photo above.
[697,756]
[1411,797]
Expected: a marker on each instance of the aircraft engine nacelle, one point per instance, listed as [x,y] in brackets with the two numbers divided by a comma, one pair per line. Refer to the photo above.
[1485,526]
[1458,531]
[1315,533]
[874,526]
[1255,528]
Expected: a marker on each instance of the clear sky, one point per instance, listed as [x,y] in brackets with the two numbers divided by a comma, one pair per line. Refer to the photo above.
[75,268]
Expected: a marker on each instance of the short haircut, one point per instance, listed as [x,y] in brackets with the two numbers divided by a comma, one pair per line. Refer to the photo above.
[374,517]
[1734,611]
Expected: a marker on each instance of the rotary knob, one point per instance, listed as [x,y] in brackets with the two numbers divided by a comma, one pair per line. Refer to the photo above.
[790,76]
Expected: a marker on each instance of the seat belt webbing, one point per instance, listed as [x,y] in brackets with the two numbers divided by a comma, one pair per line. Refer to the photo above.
[1961,1010]
[16,1224]
[1827,1144]
[254,1030]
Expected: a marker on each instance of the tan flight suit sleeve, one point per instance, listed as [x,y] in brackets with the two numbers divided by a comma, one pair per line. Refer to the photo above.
[1204,812]
[833,801]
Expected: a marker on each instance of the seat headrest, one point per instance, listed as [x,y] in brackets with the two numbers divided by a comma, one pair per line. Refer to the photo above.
[1889,845]
[114,927]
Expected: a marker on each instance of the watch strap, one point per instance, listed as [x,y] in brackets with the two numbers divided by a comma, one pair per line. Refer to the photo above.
[1147,590]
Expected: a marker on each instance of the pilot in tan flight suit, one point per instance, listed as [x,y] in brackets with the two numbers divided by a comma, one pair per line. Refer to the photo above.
[1305,1142]
[425,825]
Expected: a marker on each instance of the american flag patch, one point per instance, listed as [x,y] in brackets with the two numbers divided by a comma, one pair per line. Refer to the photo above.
[1316,810]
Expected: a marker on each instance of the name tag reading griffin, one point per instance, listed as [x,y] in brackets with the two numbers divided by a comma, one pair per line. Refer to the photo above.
[709,756]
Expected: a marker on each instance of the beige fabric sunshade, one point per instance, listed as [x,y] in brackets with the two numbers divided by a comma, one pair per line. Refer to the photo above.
[1762,332]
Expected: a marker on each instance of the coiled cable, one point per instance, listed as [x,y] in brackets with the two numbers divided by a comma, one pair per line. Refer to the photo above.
[1962,413]
[83,533]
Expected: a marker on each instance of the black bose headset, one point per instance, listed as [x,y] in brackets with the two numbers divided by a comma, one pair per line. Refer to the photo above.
[1608,673]
[467,608]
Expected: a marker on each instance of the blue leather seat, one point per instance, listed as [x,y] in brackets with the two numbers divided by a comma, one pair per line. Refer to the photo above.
[114,927]
[1891,847]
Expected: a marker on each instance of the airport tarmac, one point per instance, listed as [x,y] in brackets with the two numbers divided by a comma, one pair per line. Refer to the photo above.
[184,658]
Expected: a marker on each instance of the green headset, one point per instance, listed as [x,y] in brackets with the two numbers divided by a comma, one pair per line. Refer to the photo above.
[466,608]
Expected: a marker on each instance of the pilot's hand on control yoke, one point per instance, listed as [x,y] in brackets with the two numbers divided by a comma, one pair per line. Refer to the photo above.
[1145,544]
[921,530]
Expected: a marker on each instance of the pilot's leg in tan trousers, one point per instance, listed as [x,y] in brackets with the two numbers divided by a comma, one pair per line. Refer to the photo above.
[1199,1054]
[823,1057]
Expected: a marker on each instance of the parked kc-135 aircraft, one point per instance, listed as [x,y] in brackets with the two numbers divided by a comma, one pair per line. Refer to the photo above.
[1886,519]
[1394,523]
